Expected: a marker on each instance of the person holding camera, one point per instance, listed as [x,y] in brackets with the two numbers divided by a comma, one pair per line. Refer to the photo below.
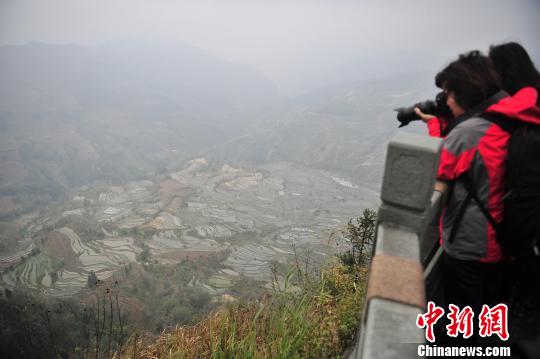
[435,113]
[436,124]
[471,173]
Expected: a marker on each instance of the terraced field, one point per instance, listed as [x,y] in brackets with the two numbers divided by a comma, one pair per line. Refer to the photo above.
[254,261]
[101,256]
[256,215]
[166,221]
[68,283]
[34,272]
[167,248]
[10,260]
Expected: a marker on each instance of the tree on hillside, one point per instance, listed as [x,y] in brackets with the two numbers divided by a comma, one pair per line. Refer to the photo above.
[144,255]
[360,237]
[92,279]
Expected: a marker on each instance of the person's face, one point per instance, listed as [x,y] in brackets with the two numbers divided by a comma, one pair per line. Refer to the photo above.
[451,102]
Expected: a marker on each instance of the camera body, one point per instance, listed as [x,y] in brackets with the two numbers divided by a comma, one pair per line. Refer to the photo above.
[438,108]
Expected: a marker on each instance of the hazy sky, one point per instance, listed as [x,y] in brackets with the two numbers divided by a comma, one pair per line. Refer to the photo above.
[295,43]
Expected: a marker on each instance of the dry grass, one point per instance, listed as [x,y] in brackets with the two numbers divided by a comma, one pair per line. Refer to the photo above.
[317,322]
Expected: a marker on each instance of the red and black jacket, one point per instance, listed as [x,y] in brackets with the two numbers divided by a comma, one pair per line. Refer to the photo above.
[477,148]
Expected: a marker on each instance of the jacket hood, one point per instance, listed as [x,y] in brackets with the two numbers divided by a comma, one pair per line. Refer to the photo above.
[522,106]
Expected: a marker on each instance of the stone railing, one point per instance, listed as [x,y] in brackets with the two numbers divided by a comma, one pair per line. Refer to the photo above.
[402,275]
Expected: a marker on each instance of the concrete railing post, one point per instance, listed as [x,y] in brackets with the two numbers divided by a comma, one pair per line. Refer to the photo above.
[396,291]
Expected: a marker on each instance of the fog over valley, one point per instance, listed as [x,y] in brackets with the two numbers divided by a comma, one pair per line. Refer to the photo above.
[107,145]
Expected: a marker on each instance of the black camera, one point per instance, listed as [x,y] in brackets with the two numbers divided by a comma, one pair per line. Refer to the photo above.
[438,108]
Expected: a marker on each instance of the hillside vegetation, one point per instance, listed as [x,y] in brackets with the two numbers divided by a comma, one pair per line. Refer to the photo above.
[306,316]
[318,322]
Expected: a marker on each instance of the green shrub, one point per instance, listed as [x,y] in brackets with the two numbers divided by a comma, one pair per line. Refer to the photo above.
[315,322]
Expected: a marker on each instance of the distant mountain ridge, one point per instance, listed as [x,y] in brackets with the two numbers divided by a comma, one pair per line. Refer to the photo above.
[71,114]
[343,128]
[127,73]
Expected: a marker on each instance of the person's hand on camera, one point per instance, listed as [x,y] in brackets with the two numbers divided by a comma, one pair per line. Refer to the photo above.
[424,116]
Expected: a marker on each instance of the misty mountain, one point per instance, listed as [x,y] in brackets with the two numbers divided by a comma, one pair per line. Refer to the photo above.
[129,75]
[70,115]
[343,128]
[73,115]
[370,66]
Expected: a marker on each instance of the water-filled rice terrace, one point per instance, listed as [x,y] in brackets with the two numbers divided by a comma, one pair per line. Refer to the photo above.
[253,217]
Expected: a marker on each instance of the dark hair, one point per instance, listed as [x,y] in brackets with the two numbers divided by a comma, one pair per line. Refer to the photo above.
[515,67]
[471,78]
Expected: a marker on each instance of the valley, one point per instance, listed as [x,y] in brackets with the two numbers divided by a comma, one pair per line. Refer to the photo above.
[249,217]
